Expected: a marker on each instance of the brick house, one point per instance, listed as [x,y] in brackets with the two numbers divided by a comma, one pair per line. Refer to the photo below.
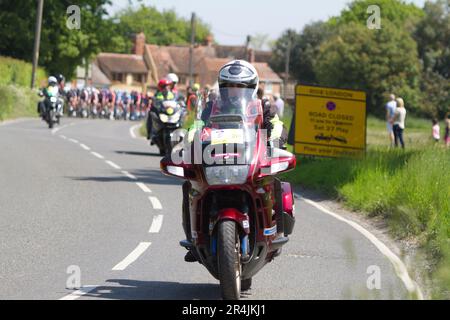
[142,69]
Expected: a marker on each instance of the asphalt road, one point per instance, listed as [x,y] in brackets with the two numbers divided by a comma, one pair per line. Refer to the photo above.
[89,197]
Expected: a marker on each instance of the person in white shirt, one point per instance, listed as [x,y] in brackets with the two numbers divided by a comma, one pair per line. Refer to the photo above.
[390,110]
[279,103]
[398,121]
[436,130]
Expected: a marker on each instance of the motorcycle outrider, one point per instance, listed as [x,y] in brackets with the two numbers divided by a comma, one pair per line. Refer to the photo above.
[166,116]
[239,214]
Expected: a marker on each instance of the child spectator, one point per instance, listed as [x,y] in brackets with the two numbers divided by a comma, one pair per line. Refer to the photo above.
[436,130]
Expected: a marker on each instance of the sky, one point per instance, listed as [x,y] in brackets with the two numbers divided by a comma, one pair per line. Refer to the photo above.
[232,20]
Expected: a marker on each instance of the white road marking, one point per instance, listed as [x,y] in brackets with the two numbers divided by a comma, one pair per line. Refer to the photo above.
[95,154]
[143,187]
[85,147]
[112,164]
[399,266]
[133,256]
[129,175]
[73,140]
[55,130]
[156,224]
[81,292]
[133,135]
[155,203]
[63,137]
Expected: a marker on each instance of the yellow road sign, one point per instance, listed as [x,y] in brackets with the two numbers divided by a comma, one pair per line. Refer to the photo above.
[330,122]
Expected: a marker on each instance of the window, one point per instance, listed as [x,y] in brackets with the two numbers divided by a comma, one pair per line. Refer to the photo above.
[117,77]
[268,87]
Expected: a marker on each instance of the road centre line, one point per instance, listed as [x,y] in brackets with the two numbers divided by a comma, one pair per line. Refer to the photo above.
[156,224]
[132,257]
[95,154]
[73,140]
[155,203]
[143,187]
[129,175]
[85,147]
[112,164]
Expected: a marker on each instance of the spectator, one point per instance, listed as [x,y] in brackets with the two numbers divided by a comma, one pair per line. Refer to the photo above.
[436,130]
[390,110]
[279,103]
[398,121]
[447,130]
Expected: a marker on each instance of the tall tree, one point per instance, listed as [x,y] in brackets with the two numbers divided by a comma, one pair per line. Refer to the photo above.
[433,40]
[62,48]
[378,61]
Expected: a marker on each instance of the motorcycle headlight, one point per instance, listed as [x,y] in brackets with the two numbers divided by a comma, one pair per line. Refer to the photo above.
[174,118]
[227,175]
[163,117]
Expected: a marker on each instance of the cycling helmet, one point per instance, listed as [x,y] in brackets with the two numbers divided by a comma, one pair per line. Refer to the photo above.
[173,77]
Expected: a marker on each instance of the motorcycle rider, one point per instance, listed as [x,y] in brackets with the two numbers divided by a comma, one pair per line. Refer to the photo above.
[235,74]
[174,81]
[163,93]
[50,90]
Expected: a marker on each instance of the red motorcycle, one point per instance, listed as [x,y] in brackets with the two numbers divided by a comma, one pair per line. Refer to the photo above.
[240,214]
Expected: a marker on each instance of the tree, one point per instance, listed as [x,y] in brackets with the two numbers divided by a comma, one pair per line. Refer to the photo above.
[377,61]
[304,50]
[162,28]
[61,49]
[397,12]
[433,40]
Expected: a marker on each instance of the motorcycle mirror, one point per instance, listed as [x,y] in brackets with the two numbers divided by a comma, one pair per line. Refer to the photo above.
[176,170]
[280,161]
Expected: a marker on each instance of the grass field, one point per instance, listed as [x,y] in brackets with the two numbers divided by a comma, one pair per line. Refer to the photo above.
[409,188]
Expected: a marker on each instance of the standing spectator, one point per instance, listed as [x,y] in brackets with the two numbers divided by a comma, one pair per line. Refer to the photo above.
[390,110]
[436,130]
[279,103]
[447,130]
[398,121]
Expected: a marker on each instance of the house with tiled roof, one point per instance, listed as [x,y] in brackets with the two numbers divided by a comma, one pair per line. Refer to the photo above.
[142,69]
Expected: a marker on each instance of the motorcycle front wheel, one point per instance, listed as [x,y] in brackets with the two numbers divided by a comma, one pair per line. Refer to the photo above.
[228,260]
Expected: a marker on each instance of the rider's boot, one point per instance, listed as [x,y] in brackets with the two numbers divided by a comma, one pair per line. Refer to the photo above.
[189,257]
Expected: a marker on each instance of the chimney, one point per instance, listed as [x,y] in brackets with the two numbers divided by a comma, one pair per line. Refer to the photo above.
[209,40]
[251,55]
[139,44]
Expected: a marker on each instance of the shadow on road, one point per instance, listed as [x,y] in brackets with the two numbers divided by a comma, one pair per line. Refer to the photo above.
[126,289]
[151,177]
[135,153]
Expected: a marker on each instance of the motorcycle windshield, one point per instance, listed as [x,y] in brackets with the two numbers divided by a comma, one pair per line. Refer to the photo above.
[229,127]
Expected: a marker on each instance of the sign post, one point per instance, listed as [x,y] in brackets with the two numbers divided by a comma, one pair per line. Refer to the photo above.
[330,122]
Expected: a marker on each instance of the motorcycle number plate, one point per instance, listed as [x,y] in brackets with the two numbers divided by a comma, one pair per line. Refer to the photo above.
[53,99]
[226,136]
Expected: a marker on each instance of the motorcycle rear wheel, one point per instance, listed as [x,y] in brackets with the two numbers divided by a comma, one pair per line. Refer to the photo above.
[229,264]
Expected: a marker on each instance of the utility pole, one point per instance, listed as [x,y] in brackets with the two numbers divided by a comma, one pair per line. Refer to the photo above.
[191,51]
[247,46]
[286,68]
[37,41]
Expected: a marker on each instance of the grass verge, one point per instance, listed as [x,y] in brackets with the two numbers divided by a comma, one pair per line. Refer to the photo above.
[16,102]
